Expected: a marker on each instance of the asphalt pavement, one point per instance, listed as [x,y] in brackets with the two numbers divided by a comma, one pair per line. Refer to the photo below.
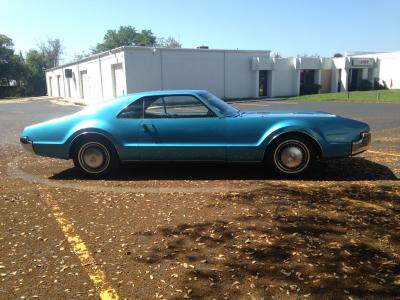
[14,116]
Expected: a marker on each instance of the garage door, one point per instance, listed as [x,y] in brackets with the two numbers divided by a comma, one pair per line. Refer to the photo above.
[118,80]
[85,90]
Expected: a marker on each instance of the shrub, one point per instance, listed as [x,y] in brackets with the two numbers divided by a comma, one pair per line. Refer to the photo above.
[365,85]
[310,88]
[378,85]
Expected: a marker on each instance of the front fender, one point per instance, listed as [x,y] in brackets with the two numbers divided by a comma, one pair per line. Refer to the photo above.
[329,149]
[287,127]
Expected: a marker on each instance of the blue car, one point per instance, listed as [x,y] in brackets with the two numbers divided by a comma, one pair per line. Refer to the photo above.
[194,125]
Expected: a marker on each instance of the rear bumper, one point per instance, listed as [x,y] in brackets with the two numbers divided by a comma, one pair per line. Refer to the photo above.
[362,144]
[27,144]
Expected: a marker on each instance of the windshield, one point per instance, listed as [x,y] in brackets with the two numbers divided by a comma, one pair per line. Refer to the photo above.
[219,105]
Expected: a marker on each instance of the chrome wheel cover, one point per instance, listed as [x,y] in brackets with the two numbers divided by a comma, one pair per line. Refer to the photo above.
[291,156]
[93,157]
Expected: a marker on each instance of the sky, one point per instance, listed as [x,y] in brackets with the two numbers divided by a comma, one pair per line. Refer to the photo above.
[288,27]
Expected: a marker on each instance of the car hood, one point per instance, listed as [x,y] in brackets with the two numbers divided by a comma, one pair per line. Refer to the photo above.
[288,113]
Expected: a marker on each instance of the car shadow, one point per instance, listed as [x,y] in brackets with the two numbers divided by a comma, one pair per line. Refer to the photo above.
[284,236]
[348,169]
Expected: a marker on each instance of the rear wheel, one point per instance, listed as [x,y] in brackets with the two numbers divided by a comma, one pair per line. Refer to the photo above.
[95,157]
[292,156]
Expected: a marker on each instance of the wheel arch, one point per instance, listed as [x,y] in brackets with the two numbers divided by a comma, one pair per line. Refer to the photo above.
[294,133]
[87,134]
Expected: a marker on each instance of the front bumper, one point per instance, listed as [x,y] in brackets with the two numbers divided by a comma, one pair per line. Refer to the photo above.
[362,144]
[27,144]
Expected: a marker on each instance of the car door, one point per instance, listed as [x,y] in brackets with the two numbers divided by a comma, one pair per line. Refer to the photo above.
[181,127]
[128,129]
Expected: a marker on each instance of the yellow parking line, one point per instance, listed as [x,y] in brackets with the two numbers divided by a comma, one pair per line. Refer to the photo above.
[383,153]
[96,274]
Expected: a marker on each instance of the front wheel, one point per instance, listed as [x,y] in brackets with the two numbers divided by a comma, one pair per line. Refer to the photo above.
[95,157]
[292,156]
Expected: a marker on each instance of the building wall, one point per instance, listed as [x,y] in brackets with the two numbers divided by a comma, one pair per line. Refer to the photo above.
[240,80]
[386,67]
[143,70]
[193,70]
[99,79]
[227,74]
[284,78]
[389,69]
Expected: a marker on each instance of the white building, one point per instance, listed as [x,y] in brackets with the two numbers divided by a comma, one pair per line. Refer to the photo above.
[226,73]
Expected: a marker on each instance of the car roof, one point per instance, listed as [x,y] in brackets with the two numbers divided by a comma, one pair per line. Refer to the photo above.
[166,92]
[124,100]
[135,96]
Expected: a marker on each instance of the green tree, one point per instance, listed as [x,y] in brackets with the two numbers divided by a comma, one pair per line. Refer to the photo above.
[276,55]
[338,55]
[52,50]
[146,38]
[12,70]
[169,42]
[79,56]
[36,62]
[125,36]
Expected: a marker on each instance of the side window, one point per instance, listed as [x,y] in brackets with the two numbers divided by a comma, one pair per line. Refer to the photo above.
[133,110]
[155,108]
[182,106]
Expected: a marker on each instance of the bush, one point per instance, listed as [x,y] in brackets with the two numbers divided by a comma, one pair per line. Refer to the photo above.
[15,91]
[378,85]
[309,88]
[365,85]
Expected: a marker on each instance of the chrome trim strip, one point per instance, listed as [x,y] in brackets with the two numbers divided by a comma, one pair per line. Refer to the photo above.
[362,144]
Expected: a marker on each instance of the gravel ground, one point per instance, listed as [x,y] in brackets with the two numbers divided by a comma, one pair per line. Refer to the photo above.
[200,231]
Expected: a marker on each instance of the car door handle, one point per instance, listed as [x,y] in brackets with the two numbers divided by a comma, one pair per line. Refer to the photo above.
[148,127]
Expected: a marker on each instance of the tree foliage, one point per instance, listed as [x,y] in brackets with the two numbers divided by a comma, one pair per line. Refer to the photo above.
[169,42]
[125,36]
[276,55]
[338,55]
[305,55]
[52,50]
[26,77]
[11,65]
[36,62]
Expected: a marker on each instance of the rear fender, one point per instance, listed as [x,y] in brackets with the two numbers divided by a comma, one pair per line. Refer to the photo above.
[86,132]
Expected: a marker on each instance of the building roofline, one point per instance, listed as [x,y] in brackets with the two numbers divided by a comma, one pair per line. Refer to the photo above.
[194,49]
[123,48]
[90,57]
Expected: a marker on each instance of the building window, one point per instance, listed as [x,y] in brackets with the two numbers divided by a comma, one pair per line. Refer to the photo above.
[307,77]
[307,82]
